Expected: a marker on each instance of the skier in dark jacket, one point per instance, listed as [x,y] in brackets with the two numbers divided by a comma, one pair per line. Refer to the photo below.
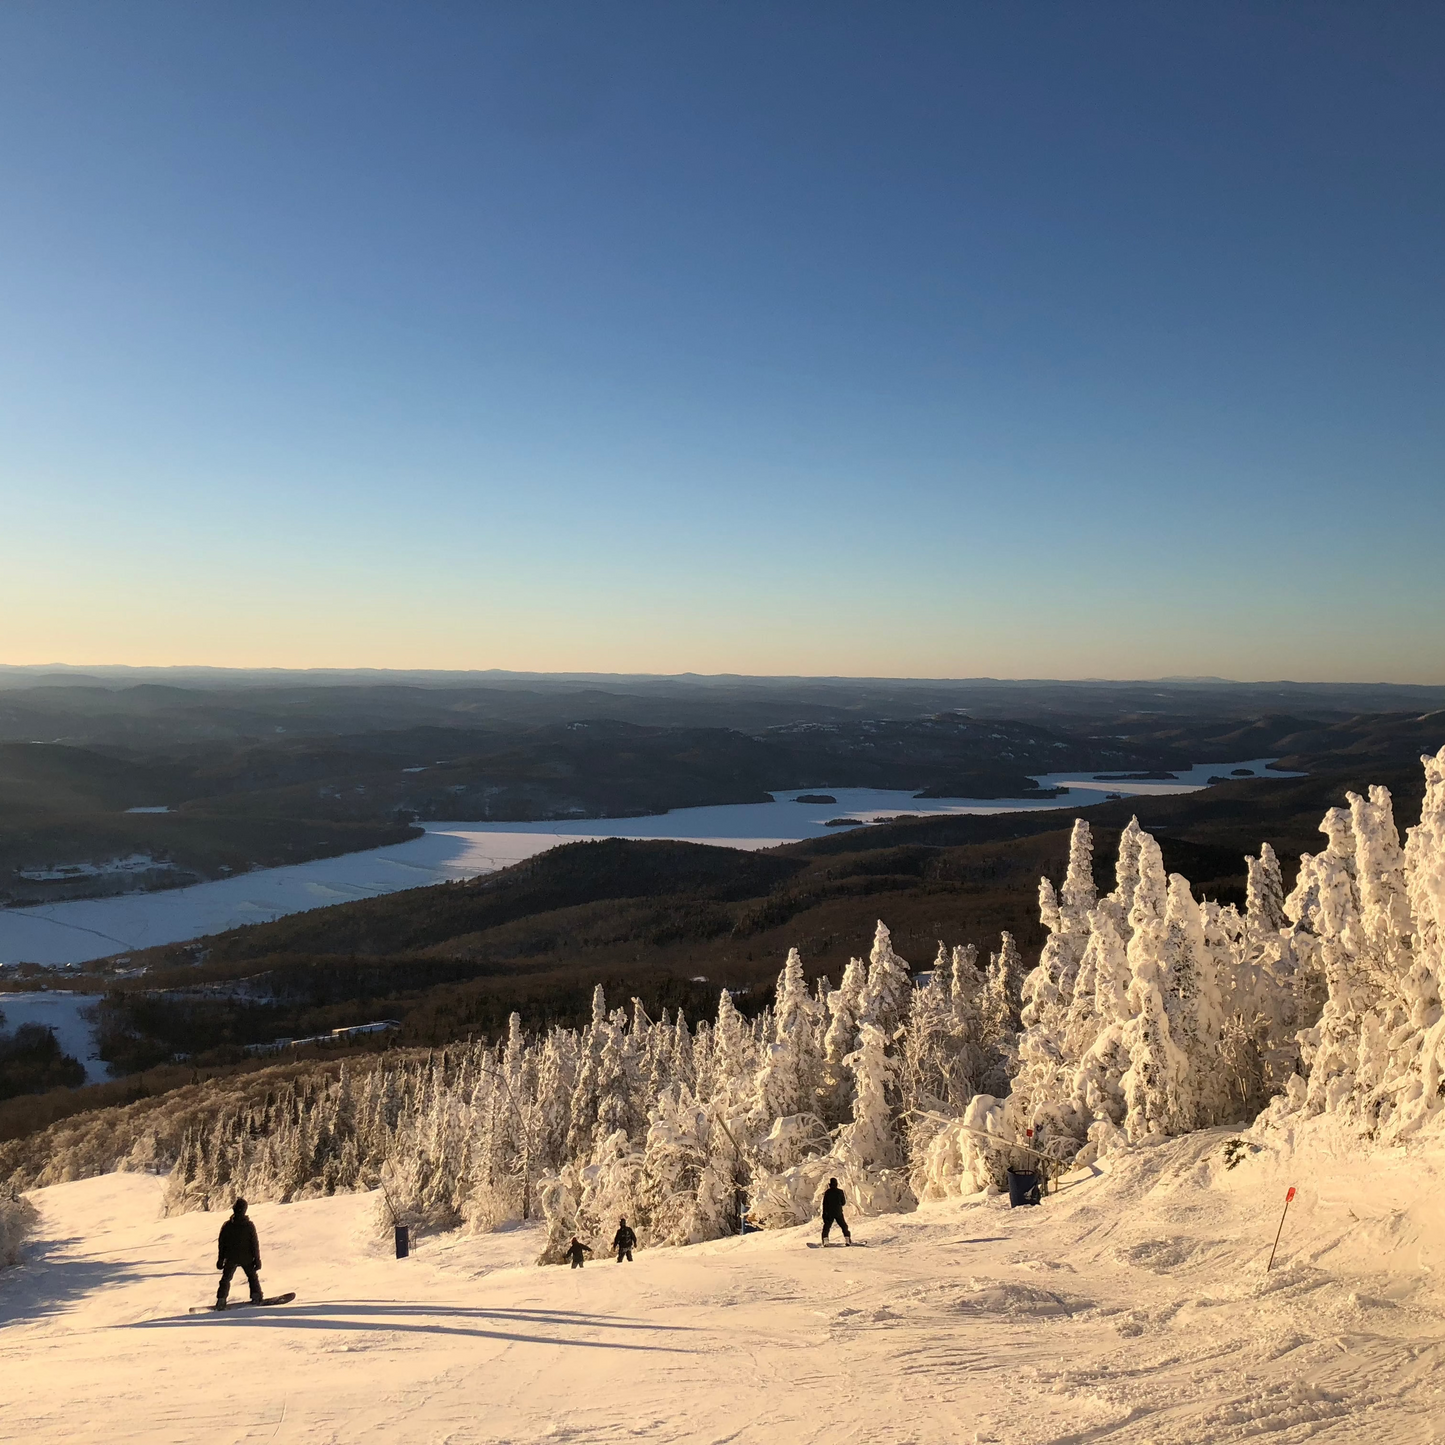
[575,1252]
[238,1248]
[833,1201]
[624,1241]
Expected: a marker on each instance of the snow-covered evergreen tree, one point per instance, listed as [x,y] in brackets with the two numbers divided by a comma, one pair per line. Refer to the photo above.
[1154,1084]
[870,1140]
[844,1005]
[586,1094]
[789,1072]
[999,1015]
[733,1055]
[614,1093]
[884,999]
[1040,1098]
[1264,892]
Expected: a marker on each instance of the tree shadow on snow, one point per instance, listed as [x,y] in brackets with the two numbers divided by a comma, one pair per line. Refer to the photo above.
[389,1318]
[46,1283]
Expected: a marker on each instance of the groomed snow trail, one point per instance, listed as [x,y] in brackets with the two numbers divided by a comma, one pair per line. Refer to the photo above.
[1133,1307]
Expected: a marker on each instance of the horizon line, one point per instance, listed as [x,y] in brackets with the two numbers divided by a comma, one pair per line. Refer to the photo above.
[1173,679]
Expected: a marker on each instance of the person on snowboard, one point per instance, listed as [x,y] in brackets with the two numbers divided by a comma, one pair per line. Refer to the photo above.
[624,1241]
[238,1248]
[575,1251]
[833,1202]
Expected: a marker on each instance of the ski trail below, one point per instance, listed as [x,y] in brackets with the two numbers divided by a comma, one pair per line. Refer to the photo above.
[1132,1308]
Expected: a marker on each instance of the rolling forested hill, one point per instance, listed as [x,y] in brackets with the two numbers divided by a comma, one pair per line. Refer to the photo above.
[238,771]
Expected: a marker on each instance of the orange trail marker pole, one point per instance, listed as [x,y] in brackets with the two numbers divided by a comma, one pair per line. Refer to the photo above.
[1280,1230]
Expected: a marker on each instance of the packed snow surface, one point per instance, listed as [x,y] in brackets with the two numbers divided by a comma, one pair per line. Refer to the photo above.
[85,929]
[1132,1307]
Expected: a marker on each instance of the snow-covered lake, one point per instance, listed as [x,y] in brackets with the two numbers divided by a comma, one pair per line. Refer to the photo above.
[76,932]
[63,1013]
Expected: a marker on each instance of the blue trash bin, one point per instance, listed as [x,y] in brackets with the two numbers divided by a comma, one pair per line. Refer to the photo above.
[403,1241]
[1022,1188]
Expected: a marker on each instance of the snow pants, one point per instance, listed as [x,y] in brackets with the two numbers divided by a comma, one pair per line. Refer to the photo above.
[624,1254]
[829,1220]
[576,1264]
[253,1279]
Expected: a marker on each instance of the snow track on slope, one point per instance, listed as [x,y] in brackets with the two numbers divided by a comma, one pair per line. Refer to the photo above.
[1130,1308]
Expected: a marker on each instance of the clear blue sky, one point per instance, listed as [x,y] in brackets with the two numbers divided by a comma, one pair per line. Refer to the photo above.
[942,340]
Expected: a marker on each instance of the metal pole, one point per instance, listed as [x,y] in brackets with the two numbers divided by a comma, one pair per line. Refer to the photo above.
[1280,1230]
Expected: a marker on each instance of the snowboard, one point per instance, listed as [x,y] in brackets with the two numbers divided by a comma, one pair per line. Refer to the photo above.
[838,1244]
[244,1304]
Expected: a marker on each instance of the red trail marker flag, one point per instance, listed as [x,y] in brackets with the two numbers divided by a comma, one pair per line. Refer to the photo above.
[1280,1230]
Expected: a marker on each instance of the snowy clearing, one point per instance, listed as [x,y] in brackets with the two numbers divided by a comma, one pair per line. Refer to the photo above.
[85,929]
[1133,1307]
[132,863]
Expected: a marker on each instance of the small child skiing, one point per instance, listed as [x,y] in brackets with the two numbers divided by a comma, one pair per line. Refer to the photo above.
[833,1201]
[576,1251]
[624,1241]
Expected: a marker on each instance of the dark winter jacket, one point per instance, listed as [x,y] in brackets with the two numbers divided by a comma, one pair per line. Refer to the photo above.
[833,1202]
[624,1239]
[576,1251]
[238,1243]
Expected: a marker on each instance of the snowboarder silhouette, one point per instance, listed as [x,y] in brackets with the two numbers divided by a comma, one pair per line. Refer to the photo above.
[238,1248]
[575,1252]
[833,1201]
[624,1241]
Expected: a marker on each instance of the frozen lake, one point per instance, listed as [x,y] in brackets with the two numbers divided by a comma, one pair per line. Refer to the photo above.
[63,1013]
[76,932]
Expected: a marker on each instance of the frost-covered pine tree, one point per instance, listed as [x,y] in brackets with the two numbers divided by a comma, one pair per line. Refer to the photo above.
[732,1055]
[1175,1081]
[929,1064]
[965,989]
[676,1158]
[684,1065]
[965,981]
[1154,1083]
[870,1141]
[1364,911]
[586,1096]
[1040,1098]
[556,1078]
[999,1015]
[889,985]
[1264,892]
[617,1105]
[1419,1063]
[1094,1031]
[789,1069]
[792,1004]
[657,1058]
[844,1005]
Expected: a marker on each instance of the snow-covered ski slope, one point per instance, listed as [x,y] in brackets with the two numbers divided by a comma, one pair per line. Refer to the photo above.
[1133,1307]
